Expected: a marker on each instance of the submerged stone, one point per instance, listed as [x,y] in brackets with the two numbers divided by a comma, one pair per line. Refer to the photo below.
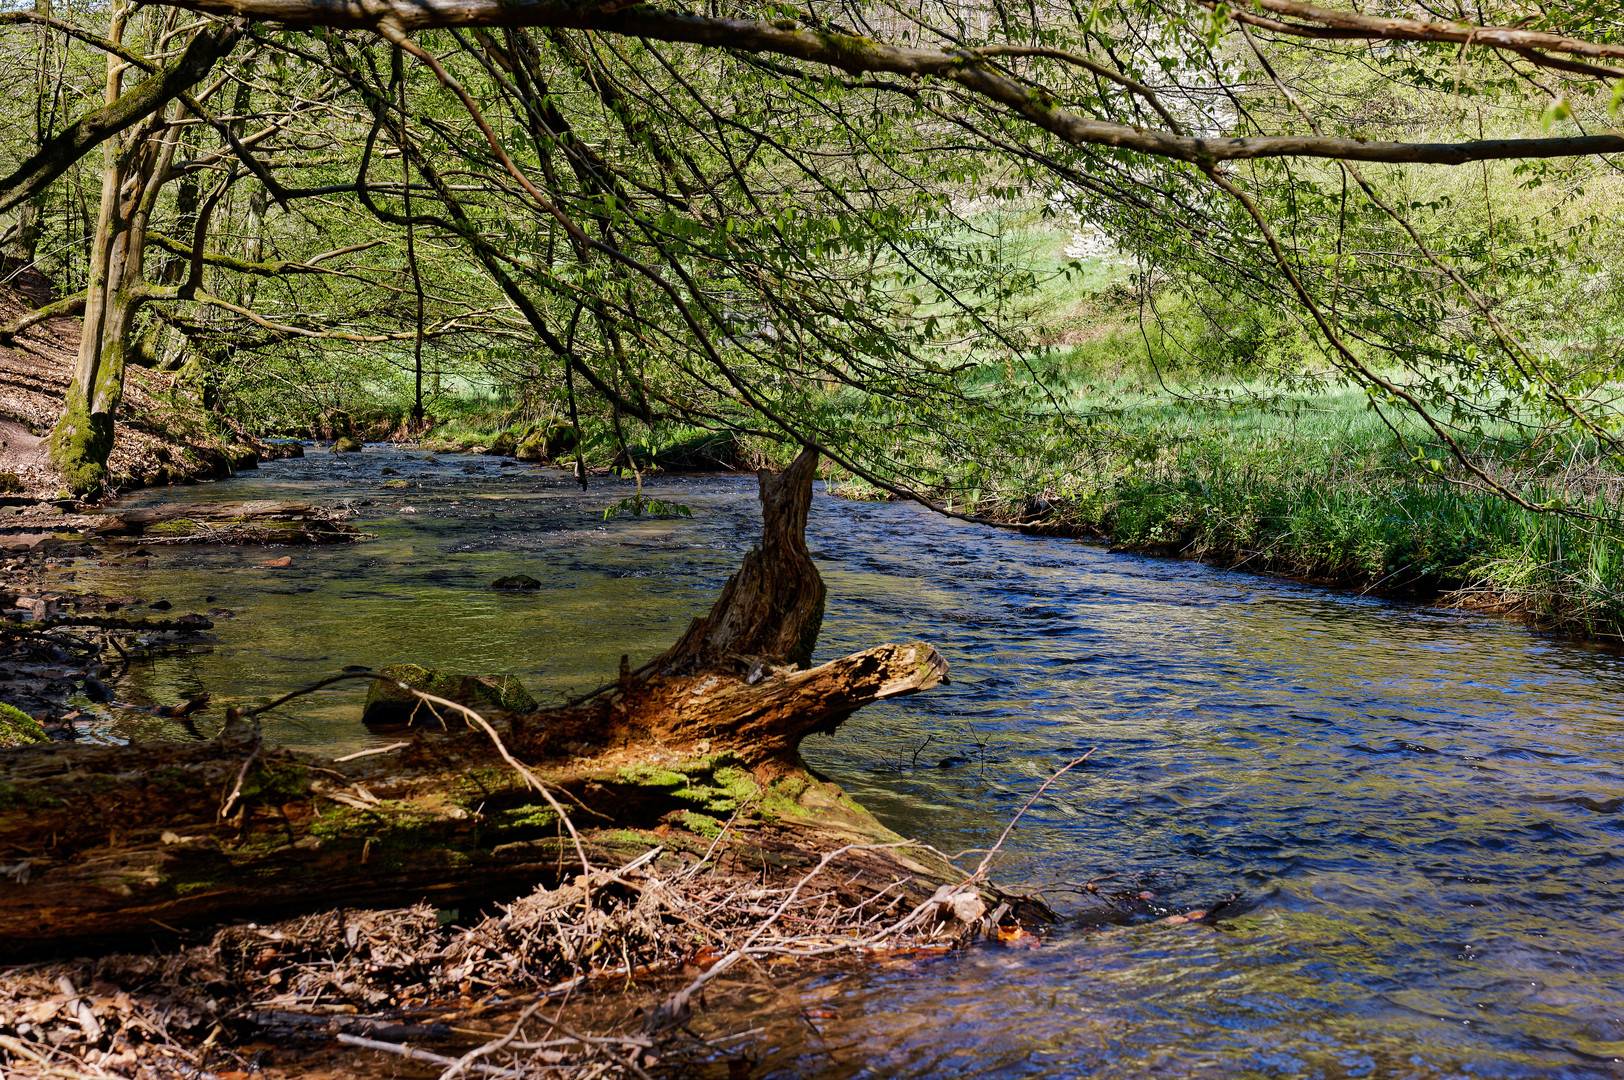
[516,581]
[387,703]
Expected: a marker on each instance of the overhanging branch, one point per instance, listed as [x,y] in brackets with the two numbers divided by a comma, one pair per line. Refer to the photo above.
[859,55]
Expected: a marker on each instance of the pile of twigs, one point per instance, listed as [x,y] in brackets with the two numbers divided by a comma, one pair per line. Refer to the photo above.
[391,981]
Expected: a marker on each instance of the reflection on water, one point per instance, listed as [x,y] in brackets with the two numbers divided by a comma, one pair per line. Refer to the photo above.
[1421,809]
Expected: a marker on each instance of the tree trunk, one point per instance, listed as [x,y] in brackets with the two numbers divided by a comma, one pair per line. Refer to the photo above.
[31,213]
[107,841]
[134,169]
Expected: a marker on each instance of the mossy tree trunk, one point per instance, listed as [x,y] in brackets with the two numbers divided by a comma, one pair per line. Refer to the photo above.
[698,745]
[132,170]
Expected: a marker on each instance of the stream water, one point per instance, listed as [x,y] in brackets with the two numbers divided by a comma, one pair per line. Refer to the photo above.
[1420,811]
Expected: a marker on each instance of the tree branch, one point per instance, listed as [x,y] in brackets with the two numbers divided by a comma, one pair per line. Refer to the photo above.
[151,94]
[857,55]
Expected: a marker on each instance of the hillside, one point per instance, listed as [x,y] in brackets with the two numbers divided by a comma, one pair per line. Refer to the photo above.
[162,437]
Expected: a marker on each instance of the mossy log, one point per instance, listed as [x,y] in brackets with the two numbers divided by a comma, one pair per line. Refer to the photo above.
[696,753]
[255,522]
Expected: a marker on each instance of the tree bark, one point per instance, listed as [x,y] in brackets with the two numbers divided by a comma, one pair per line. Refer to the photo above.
[109,841]
[772,608]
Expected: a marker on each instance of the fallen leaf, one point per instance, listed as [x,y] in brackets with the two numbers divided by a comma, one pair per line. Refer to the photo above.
[1016,938]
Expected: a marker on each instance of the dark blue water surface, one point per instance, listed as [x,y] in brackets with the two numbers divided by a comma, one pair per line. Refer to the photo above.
[1416,814]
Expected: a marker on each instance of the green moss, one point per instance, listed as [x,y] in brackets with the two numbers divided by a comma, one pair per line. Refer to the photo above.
[278,782]
[851,51]
[12,797]
[628,836]
[782,799]
[712,788]
[391,825]
[707,827]
[726,789]
[10,483]
[652,776]
[17,728]
[519,822]
[480,783]
[80,444]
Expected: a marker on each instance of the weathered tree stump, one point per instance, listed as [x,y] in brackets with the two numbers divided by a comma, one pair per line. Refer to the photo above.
[701,744]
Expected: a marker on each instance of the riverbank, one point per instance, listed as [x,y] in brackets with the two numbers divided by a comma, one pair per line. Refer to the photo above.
[1320,488]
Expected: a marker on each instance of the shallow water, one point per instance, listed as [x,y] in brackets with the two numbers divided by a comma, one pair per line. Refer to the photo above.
[1418,811]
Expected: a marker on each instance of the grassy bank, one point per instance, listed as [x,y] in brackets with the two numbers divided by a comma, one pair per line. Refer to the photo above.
[1319,486]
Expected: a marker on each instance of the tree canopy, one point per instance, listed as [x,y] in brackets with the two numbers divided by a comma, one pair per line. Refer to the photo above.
[782,220]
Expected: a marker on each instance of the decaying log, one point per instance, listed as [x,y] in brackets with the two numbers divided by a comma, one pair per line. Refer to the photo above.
[101,841]
[262,521]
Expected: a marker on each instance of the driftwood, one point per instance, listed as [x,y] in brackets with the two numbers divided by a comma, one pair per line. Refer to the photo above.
[695,752]
[257,522]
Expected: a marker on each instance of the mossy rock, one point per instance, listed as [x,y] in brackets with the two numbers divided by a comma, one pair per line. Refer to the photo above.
[712,450]
[10,484]
[547,441]
[276,449]
[242,457]
[387,703]
[505,444]
[17,728]
[347,444]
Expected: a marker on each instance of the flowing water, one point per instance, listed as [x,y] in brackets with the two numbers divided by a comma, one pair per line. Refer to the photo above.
[1418,813]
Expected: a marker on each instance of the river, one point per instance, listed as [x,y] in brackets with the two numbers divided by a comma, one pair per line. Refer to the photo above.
[1417,814]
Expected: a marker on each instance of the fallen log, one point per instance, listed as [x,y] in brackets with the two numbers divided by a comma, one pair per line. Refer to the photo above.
[696,752]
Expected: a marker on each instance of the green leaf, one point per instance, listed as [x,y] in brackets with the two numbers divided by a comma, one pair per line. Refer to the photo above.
[1220,21]
[1556,112]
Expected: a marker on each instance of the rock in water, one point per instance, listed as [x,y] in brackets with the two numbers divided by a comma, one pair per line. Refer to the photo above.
[388,704]
[516,581]
[347,444]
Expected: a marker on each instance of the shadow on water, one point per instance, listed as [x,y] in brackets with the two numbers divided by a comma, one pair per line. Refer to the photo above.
[1421,808]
